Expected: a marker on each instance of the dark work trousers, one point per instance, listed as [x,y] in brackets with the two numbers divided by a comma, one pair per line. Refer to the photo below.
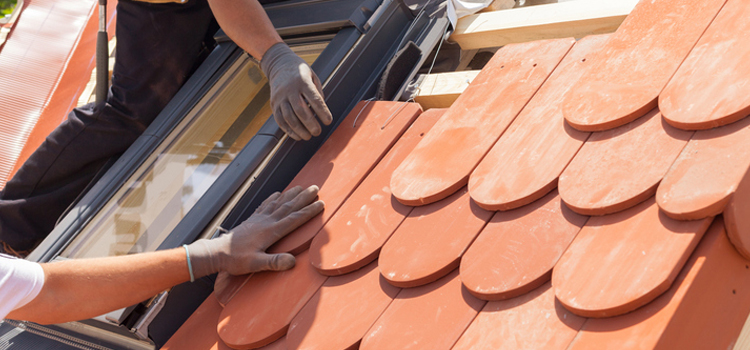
[158,47]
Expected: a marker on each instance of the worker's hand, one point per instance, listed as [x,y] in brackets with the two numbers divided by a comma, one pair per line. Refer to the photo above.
[243,250]
[296,93]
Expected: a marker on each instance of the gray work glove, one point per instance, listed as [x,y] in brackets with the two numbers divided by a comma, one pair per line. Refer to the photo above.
[243,250]
[296,93]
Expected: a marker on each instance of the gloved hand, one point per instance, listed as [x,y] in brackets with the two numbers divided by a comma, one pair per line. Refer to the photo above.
[243,250]
[296,93]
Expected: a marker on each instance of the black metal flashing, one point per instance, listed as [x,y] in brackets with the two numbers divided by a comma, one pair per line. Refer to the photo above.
[305,16]
[355,80]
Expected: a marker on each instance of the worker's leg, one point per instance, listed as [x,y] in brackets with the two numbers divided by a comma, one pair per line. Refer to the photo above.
[157,49]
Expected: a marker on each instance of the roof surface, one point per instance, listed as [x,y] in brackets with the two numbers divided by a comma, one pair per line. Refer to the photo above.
[495,224]
[44,66]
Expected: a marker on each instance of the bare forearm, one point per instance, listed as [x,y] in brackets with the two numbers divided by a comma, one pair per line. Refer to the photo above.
[81,289]
[247,24]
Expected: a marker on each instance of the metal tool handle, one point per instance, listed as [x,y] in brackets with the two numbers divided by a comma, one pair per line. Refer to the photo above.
[102,55]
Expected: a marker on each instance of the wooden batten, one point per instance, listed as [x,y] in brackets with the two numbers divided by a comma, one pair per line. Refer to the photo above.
[558,20]
[441,89]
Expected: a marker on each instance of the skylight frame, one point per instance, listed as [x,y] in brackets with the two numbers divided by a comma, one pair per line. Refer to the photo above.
[350,67]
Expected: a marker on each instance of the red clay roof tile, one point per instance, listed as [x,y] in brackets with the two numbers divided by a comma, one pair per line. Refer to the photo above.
[367,132]
[277,345]
[247,321]
[199,331]
[534,320]
[226,287]
[704,309]
[737,217]
[516,251]
[442,161]
[622,261]
[526,161]
[428,317]
[710,88]
[706,173]
[352,238]
[616,264]
[429,243]
[341,312]
[619,168]
[638,60]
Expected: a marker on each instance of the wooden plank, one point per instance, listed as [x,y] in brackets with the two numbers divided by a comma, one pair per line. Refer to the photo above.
[442,89]
[743,342]
[498,5]
[571,18]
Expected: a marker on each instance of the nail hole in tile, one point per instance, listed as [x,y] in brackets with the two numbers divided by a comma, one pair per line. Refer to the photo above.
[501,67]
[534,64]
[747,266]
[422,134]
[583,60]
[734,291]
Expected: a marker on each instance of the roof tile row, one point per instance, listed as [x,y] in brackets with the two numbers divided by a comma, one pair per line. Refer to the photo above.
[628,277]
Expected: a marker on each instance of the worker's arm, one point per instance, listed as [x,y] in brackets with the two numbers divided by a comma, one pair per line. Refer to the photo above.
[81,289]
[296,93]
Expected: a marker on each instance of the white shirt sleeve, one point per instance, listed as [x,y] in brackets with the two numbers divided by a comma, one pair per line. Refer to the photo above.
[20,282]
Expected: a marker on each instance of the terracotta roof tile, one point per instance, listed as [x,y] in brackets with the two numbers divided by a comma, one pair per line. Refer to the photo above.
[619,168]
[370,211]
[635,270]
[622,261]
[704,309]
[442,161]
[430,242]
[367,132]
[633,67]
[341,312]
[532,321]
[516,251]
[427,317]
[709,89]
[199,331]
[247,321]
[737,218]
[538,144]
[707,172]
[227,286]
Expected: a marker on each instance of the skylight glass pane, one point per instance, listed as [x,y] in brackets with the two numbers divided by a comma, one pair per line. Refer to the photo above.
[167,185]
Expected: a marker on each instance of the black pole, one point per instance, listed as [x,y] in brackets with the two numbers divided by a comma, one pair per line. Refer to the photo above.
[102,55]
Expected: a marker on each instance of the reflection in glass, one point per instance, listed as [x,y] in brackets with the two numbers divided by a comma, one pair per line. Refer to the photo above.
[169,183]
[145,210]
